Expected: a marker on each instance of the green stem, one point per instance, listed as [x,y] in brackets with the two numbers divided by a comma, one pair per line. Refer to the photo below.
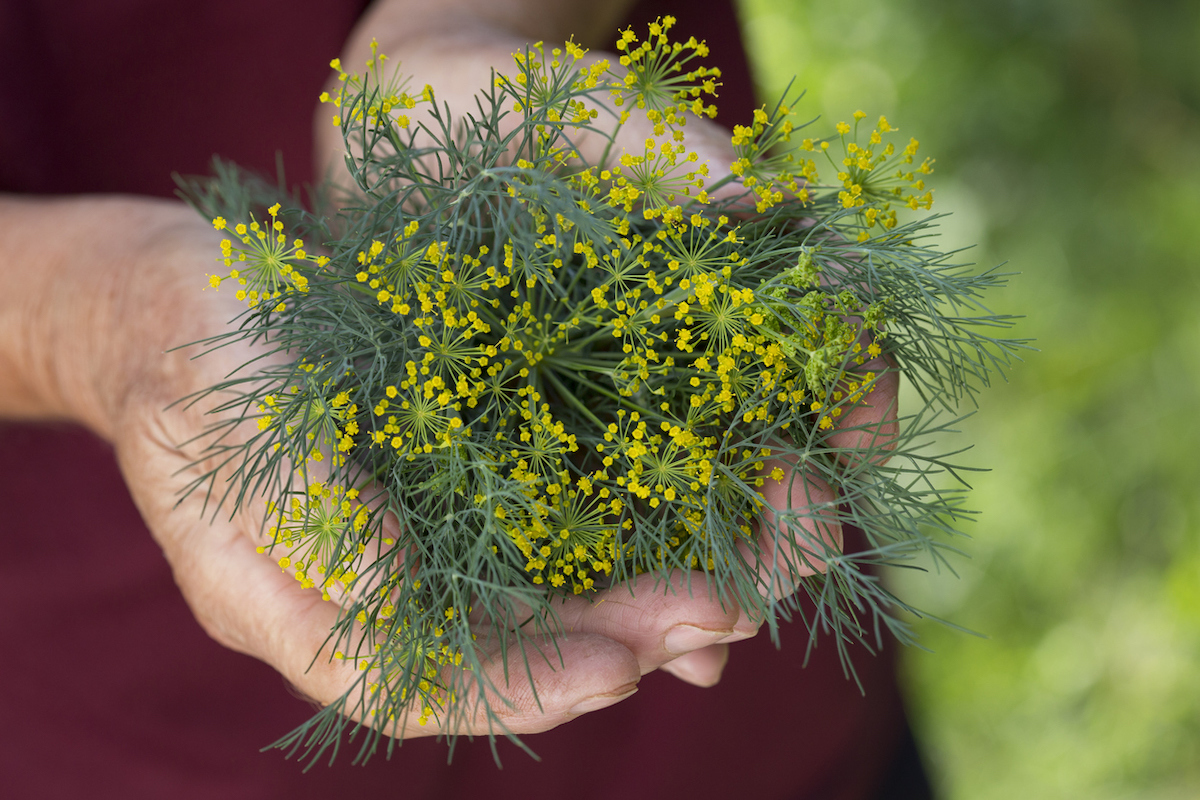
[570,397]
[625,401]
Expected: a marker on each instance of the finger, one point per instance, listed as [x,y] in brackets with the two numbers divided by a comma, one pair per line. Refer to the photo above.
[870,426]
[657,620]
[543,684]
[247,604]
[798,529]
[701,667]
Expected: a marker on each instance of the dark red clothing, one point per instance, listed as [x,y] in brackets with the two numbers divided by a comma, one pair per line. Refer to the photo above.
[113,690]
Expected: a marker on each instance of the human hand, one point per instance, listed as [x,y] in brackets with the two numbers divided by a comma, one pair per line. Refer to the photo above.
[94,343]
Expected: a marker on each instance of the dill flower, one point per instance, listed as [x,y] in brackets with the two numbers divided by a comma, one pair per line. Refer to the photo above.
[556,375]
[261,259]
[656,78]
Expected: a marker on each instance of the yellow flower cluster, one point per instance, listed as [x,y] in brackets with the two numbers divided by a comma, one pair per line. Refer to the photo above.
[421,637]
[656,77]
[313,533]
[874,174]
[314,424]
[387,90]
[765,162]
[263,262]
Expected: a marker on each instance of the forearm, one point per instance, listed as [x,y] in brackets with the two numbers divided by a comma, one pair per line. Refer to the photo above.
[91,303]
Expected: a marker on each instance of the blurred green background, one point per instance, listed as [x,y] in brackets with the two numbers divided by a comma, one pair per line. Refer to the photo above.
[1067,138]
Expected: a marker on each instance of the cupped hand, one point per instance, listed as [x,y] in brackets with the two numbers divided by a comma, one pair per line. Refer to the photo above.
[238,594]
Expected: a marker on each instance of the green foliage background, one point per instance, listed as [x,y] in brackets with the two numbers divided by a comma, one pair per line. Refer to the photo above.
[1067,134]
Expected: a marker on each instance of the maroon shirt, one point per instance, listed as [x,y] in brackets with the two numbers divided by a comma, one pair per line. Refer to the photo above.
[112,689]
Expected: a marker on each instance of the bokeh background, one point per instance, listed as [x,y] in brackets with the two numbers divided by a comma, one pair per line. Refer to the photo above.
[1067,138]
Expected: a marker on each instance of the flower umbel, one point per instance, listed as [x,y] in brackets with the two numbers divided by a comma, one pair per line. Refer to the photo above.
[554,375]
[262,260]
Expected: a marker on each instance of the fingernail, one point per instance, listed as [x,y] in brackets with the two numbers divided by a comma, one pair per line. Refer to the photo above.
[745,628]
[599,701]
[686,638]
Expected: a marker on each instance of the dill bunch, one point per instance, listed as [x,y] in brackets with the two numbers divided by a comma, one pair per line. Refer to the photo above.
[501,374]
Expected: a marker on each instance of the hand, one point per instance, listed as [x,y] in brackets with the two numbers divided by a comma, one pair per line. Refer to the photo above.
[102,289]
[92,326]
